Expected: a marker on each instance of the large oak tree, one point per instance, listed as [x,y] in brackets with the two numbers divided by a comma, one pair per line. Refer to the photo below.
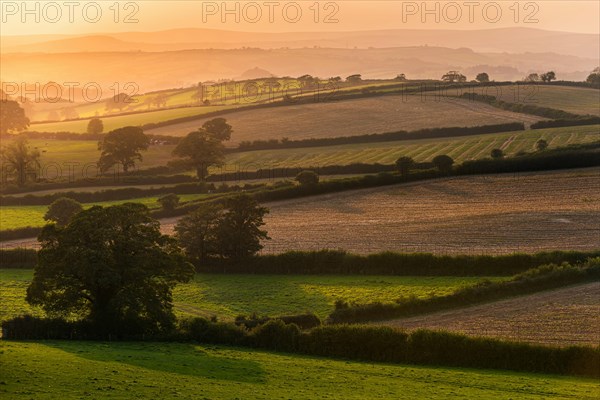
[110,266]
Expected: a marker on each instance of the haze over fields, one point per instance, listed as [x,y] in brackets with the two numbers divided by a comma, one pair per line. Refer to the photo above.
[193,55]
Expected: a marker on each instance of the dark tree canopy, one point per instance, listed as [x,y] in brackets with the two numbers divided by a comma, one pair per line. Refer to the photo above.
[62,210]
[497,153]
[483,77]
[404,165]
[533,77]
[454,76]
[169,201]
[356,78]
[200,150]
[541,145]
[239,233]
[12,117]
[443,163]
[307,178]
[122,146]
[111,266]
[197,232]
[95,126]
[219,128]
[548,76]
[20,160]
[594,77]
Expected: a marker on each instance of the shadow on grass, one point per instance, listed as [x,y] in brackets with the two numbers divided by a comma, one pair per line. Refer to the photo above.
[175,358]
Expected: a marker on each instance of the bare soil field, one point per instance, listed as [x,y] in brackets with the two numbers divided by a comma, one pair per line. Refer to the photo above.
[379,114]
[491,214]
[567,316]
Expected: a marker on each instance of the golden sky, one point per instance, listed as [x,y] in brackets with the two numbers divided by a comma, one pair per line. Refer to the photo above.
[85,17]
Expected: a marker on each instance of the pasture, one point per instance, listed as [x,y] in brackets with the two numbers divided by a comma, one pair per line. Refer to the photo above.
[119,121]
[493,214]
[13,217]
[339,118]
[567,98]
[78,158]
[46,370]
[566,316]
[228,296]
[459,148]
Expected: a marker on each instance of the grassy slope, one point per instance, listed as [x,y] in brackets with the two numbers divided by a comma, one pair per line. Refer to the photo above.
[187,371]
[230,295]
[354,117]
[12,217]
[460,148]
[85,153]
[224,96]
[571,99]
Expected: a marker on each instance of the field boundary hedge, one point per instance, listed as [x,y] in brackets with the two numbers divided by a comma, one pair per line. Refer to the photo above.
[380,137]
[350,342]
[336,262]
[531,109]
[534,280]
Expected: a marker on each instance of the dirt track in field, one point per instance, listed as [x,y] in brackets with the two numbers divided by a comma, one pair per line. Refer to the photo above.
[493,214]
[568,316]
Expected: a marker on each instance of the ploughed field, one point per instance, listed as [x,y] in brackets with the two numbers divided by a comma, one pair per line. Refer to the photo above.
[566,316]
[73,370]
[492,214]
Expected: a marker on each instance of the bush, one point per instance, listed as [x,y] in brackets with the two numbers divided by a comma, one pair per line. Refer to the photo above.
[307,178]
[303,321]
[276,335]
[205,331]
[169,202]
[355,342]
[18,258]
[443,163]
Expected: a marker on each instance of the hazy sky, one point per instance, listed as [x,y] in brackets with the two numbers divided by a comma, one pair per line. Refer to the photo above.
[76,17]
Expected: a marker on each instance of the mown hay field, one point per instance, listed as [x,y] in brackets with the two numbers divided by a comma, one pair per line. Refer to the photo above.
[78,158]
[142,370]
[354,117]
[566,316]
[493,214]
[459,148]
[228,296]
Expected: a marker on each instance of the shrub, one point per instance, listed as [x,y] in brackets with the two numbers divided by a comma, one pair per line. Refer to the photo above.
[443,163]
[169,202]
[205,331]
[307,178]
[276,335]
[497,153]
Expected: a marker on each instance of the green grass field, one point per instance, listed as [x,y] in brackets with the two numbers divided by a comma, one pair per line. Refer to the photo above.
[181,103]
[12,217]
[75,370]
[228,296]
[572,99]
[85,153]
[110,123]
[459,148]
